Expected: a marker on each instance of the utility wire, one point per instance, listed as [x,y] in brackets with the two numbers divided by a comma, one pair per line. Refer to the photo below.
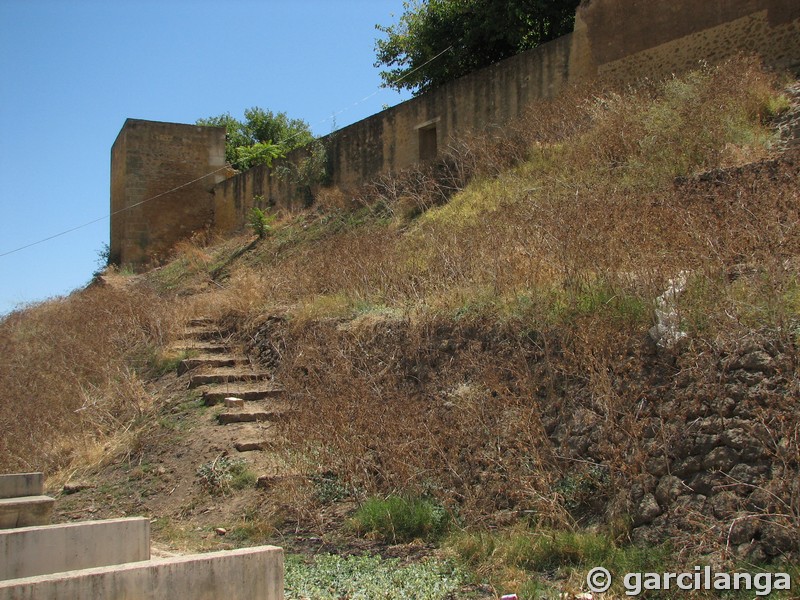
[188,183]
[116,212]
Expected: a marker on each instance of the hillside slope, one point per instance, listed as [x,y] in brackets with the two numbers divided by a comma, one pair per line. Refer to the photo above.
[586,324]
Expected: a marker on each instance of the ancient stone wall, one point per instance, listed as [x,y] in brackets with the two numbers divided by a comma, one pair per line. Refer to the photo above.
[625,40]
[412,132]
[162,175]
[616,40]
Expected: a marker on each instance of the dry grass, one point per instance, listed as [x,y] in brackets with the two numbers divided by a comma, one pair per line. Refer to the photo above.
[469,313]
[475,331]
[73,371]
[579,195]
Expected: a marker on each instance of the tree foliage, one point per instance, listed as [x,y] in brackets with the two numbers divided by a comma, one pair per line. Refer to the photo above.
[470,34]
[261,137]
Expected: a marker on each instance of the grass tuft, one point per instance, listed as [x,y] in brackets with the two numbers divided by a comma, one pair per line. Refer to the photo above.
[400,519]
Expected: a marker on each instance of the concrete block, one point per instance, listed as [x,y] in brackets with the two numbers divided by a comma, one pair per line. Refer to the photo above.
[246,574]
[30,551]
[234,402]
[21,484]
[26,511]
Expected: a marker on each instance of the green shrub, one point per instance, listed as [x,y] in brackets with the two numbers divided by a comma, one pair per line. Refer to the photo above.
[399,519]
[260,222]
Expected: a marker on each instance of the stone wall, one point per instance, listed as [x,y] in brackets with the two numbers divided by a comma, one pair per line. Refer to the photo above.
[412,132]
[617,40]
[162,175]
[625,40]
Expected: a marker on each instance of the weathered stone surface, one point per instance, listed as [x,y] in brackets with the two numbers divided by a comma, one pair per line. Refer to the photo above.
[647,510]
[688,466]
[15,485]
[73,487]
[748,474]
[737,438]
[226,376]
[721,459]
[669,488]
[744,529]
[657,466]
[148,159]
[757,360]
[251,416]
[31,551]
[244,574]
[725,505]
[25,511]
[207,362]
[248,393]
[251,446]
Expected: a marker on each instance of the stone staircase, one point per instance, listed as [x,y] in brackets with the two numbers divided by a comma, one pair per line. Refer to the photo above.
[251,399]
[22,501]
[111,559]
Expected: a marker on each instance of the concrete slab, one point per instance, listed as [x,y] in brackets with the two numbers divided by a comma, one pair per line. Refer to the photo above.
[30,551]
[27,511]
[246,574]
[16,485]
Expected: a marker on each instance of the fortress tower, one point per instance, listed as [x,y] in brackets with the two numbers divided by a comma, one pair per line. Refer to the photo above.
[162,176]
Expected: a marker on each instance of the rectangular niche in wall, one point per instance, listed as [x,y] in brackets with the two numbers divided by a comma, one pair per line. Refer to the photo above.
[428,145]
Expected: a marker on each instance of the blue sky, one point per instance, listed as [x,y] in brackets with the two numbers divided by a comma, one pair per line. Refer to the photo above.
[73,71]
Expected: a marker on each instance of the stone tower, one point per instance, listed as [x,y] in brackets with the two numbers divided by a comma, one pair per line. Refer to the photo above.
[162,176]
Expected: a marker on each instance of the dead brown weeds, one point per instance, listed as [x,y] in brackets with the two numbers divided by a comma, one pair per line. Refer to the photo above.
[72,371]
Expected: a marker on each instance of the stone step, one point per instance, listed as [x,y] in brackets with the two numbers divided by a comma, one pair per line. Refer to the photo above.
[207,361]
[201,347]
[252,445]
[14,485]
[25,511]
[205,333]
[46,549]
[248,393]
[242,574]
[201,322]
[251,416]
[226,376]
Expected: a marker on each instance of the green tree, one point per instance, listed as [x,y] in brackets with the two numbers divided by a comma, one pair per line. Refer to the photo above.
[465,35]
[261,137]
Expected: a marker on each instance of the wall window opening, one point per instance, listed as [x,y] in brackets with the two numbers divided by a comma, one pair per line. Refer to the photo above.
[428,147]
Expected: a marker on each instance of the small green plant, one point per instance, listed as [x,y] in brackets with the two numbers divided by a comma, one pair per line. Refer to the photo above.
[581,488]
[254,527]
[224,474]
[307,173]
[329,488]
[260,222]
[400,519]
[776,105]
